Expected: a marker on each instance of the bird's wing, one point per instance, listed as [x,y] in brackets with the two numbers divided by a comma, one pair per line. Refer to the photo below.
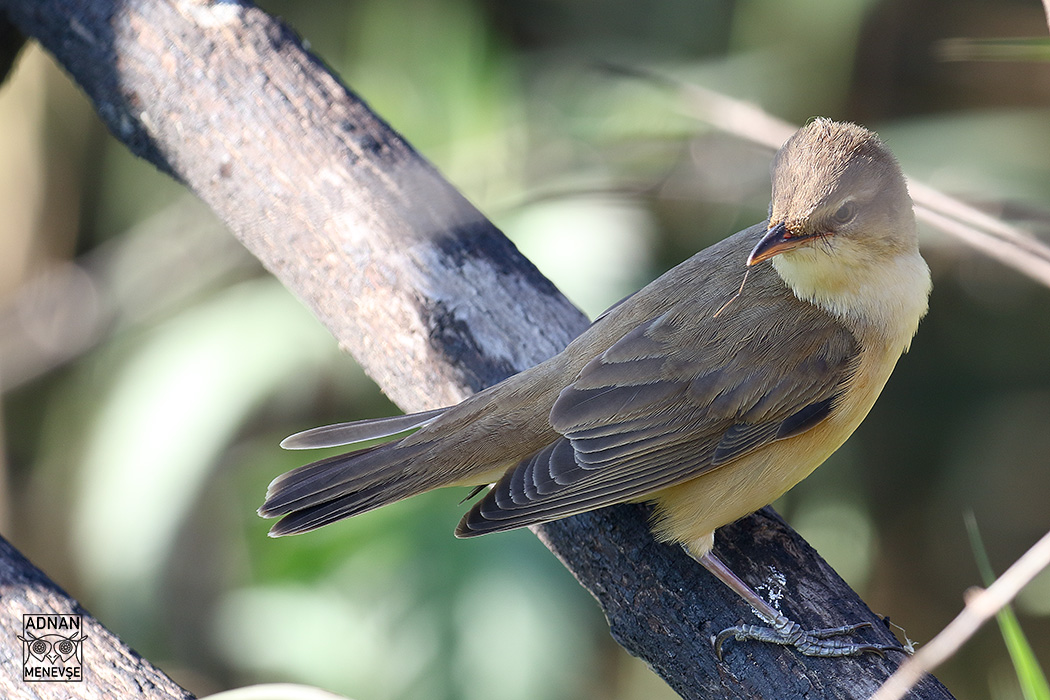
[670,400]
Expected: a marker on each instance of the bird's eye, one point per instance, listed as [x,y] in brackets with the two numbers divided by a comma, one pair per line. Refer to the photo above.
[845,213]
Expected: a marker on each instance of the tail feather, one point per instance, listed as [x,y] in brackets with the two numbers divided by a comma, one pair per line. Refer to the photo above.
[319,481]
[312,517]
[338,487]
[358,432]
[344,485]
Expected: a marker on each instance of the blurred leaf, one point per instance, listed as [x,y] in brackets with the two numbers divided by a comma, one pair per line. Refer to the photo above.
[178,395]
[1030,676]
[965,49]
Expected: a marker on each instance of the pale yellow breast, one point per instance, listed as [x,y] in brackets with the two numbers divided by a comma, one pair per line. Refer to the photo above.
[690,512]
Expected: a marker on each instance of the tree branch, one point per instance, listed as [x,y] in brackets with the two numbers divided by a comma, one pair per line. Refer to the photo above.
[424,291]
[111,669]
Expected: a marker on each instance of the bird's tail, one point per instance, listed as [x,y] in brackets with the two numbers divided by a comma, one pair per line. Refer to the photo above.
[345,485]
[362,433]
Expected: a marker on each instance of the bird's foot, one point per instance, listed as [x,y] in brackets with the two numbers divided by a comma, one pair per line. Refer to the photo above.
[820,642]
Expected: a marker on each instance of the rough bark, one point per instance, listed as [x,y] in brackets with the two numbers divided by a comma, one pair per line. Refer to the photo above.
[432,300]
[111,669]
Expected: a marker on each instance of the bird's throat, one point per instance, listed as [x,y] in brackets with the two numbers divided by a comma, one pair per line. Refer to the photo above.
[887,299]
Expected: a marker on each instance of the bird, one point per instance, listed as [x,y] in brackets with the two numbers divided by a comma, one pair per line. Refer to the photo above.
[709,392]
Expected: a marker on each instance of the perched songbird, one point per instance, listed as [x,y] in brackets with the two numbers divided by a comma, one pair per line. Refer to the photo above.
[708,397]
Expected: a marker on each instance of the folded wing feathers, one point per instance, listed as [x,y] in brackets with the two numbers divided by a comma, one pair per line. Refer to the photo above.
[627,435]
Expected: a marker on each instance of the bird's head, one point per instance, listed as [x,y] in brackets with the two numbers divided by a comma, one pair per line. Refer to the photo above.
[838,192]
[841,229]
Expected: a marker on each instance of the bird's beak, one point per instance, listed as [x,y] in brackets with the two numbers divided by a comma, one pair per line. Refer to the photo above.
[778,239]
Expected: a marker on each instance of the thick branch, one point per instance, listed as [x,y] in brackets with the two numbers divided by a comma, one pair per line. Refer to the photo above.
[425,293]
[111,669]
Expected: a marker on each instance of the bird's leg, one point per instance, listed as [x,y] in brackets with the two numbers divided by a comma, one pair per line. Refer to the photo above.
[780,629]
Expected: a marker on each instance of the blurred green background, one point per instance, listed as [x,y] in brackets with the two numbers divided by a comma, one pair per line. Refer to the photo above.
[149,366]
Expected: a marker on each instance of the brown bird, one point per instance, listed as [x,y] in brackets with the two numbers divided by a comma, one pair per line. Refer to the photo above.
[705,397]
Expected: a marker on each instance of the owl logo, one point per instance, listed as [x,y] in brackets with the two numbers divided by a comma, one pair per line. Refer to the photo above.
[52,648]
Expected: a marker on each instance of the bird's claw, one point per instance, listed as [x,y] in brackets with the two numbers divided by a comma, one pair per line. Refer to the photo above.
[820,642]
